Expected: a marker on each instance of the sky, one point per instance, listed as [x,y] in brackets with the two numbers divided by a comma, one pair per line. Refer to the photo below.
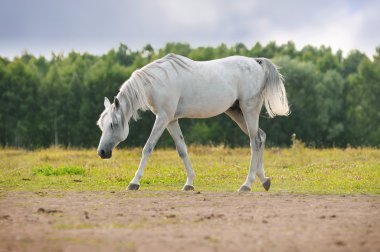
[95,26]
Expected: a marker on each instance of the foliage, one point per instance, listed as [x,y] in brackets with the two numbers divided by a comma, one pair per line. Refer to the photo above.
[334,100]
[295,170]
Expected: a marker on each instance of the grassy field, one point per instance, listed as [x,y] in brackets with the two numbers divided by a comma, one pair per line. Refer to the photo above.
[294,170]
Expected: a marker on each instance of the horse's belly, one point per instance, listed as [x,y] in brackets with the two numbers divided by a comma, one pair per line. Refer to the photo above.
[201,112]
[204,105]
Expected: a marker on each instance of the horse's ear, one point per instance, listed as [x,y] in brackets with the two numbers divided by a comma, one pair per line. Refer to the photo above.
[107,102]
[117,103]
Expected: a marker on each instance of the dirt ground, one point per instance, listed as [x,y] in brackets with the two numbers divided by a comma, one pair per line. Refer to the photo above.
[187,221]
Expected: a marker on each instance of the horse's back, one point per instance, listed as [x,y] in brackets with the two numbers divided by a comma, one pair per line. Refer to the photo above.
[209,88]
[240,73]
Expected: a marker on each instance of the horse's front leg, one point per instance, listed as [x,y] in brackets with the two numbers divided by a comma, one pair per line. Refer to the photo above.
[175,132]
[158,128]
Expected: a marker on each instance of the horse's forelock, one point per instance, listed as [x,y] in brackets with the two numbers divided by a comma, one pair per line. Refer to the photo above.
[101,118]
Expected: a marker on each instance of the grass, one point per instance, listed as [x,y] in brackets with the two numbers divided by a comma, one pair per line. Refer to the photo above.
[48,170]
[293,170]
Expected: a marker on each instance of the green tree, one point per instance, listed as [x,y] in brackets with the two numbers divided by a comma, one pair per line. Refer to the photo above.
[363,102]
[19,97]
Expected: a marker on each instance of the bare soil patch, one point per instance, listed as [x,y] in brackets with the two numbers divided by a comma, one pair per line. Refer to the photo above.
[187,221]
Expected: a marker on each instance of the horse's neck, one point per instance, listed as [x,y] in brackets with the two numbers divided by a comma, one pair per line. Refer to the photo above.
[129,105]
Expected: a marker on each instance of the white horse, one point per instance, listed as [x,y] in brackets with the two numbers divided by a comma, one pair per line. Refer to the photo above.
[175,87]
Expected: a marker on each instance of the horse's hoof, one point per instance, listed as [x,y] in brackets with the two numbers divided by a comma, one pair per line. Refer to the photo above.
[188,188]
[266,184]
[244,188]
[133,187]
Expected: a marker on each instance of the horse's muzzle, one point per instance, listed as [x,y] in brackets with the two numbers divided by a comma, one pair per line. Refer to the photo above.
[104,154]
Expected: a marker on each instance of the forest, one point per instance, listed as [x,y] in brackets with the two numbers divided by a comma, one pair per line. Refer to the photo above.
[334,98]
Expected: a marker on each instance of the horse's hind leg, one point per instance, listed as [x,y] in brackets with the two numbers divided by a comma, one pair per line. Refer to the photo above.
[257,140]
[261,137]
[237,116]
[175,132]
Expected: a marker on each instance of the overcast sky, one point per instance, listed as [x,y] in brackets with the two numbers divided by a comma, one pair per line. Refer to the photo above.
[95,26]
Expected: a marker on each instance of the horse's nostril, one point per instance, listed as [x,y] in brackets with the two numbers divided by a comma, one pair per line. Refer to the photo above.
[102,153]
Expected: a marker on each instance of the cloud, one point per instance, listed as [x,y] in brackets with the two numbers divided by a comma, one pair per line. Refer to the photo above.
[42,26]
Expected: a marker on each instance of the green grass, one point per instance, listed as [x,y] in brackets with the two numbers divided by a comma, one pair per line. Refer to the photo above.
[293,170]
[48,170]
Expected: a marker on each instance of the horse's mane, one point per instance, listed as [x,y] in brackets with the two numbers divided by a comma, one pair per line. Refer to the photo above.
[133,90]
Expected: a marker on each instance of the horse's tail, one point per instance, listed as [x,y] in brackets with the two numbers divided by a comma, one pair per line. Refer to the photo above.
[274,92]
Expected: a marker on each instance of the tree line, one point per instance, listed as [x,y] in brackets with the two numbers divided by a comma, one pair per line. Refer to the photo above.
[334,100]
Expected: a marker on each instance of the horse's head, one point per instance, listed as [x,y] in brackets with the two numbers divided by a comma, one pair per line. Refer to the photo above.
[114,127]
